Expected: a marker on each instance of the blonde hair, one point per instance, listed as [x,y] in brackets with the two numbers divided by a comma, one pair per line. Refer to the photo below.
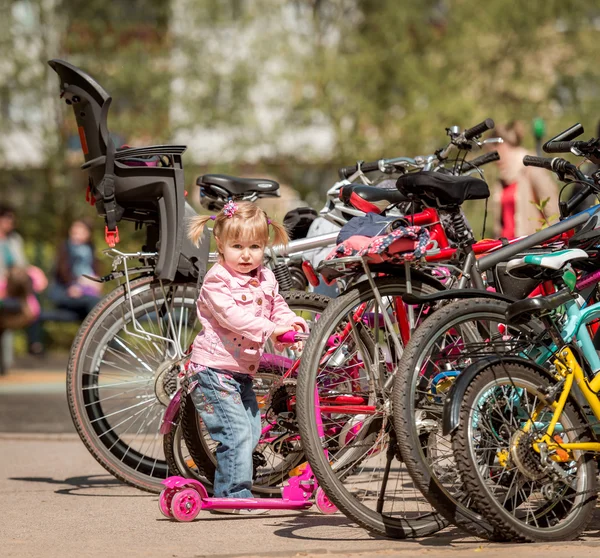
[248,221]
[512,133]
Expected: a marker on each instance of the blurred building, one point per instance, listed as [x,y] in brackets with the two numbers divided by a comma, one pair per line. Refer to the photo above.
[215,76]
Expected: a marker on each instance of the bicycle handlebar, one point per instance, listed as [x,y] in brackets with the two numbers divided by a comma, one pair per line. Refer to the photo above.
[562,146]
[467,135]
[345,172]
[483,159]
[478,129]
[564,138]
[541,162]
[292,336]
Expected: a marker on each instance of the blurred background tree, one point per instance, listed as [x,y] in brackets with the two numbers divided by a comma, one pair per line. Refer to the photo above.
[291,88]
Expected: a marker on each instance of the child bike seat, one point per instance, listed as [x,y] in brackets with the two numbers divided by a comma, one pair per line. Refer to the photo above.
[144,185]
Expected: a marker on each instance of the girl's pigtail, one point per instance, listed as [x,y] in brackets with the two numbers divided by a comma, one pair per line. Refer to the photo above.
[196,227]
[281,234]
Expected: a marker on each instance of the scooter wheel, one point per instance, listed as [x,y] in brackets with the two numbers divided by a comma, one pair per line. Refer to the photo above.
[323,503]
[186,505]
[164,501]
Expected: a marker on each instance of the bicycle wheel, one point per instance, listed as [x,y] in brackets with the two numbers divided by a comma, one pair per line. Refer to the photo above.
[506,409]
[122,373]
[344,407]
[177,456]
[452,338]
[279,450]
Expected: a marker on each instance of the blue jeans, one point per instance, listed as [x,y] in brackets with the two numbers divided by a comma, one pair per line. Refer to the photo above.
[227,405]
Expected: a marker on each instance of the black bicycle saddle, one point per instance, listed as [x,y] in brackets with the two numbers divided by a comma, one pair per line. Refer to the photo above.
[443,189]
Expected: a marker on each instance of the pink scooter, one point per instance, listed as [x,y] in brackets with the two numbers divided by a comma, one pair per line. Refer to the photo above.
[183,499]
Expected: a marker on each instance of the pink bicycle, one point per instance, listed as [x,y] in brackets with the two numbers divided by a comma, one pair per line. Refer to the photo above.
[184,498]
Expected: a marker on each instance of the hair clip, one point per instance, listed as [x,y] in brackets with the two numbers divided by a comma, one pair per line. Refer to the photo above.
[213,217]
[268,221]
[230,208]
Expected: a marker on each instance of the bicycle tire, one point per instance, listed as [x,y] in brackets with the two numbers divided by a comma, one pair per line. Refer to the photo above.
[531,381]
[142,467]
[196,438]
[394,526]
[177,457]
[413,444]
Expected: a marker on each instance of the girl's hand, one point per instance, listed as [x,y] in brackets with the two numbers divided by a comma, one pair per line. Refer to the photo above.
[280,330]
[300,344]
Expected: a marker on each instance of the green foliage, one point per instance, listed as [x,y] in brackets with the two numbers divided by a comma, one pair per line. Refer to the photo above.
[382,78]
[395,77]
[545,220]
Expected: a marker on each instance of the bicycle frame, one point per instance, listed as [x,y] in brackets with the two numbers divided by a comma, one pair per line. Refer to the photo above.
[569,369]
[575,326]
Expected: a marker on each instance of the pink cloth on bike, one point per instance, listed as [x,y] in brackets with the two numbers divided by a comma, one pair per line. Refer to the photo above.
[239,312]
[403,243]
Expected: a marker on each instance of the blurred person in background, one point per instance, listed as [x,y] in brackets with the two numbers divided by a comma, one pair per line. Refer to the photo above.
[526,198]
[11,243]
[18,283]
[76,257]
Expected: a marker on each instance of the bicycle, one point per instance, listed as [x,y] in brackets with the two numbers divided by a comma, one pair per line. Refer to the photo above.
[279,450]
[524,441]
[394,331]
[126,357]
[428,369]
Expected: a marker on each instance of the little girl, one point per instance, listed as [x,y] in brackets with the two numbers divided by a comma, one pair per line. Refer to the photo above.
[240,309]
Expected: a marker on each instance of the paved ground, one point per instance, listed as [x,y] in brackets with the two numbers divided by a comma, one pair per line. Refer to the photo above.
[33,396]
[59,502]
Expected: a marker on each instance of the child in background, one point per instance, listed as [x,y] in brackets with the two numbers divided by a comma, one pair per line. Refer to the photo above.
[240,309]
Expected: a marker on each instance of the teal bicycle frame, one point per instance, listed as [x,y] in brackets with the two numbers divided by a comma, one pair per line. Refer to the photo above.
[576,326]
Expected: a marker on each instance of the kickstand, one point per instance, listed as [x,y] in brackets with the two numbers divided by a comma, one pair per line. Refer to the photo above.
[389,455]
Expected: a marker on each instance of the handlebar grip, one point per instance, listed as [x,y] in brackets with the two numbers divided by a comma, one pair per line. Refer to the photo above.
[542,162]
[345,172]
[484,159]
[568,134]
[559,146]
[287,337]
[292,336]
[576,199]
[487,124]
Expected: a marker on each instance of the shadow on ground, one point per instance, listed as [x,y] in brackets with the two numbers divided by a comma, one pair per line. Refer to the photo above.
[77,486]
[314,527]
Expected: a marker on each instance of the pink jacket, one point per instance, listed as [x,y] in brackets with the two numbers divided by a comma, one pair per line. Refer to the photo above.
[238,313]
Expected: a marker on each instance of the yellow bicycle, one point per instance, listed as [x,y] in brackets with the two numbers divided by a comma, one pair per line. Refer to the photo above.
[524,445]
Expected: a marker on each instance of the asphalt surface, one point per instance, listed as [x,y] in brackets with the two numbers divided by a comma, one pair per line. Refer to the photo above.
[58,501]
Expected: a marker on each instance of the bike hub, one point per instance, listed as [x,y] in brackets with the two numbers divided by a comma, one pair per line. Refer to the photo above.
[526,459]
[165,381]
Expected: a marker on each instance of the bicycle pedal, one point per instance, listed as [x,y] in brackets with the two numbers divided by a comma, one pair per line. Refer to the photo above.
[297,471]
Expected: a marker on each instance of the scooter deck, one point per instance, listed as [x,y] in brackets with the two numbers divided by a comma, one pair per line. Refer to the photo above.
[254,503]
